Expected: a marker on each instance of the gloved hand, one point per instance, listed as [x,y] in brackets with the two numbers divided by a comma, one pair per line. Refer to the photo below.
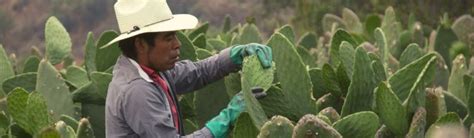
[219,125]
[264,53]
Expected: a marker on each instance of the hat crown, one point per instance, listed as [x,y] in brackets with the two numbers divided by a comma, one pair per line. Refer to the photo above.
[140,13]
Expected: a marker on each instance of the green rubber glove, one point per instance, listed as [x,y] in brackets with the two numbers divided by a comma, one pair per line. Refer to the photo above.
[263,52]
[219,125]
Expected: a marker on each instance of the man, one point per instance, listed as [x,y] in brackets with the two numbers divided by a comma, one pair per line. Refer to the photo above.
[141,99]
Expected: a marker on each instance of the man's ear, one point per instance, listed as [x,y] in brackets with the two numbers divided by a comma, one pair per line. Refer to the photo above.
[139,45]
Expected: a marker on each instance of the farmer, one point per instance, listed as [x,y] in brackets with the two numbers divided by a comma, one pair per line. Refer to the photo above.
[142,96]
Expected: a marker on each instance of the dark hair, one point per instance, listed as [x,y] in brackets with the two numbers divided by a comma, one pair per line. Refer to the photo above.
[127,46]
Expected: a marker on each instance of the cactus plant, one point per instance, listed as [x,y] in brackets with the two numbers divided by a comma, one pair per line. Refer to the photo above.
[410,54]
[463,27]
[31,64]
[336,41]
[390,109]
[308,40]
[456,83]
[249,34]
[330,20]
[435,104]
[90,53]
[94,125]
[330,113]
[448,125]
[297,88]
[371,23]
[288,32]
[319,89]
[352,21]
[187,47]
[418,123]
[5,66]
[64,130]
[199,30]
[443,40]
[201,42]
[360,125]
[277,127]
[54,90]
[49,132]
[26,81]
[58,43]
[311,126]
[76,76]
[106,57]
[84,130]
[347,53]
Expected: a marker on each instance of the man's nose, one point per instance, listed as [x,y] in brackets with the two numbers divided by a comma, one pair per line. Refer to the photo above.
[176,43]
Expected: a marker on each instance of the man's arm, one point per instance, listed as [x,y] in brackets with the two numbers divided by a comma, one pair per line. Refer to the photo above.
[188,76]
[146,112]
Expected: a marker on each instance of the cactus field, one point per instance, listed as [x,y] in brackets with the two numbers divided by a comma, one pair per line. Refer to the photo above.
[361,78]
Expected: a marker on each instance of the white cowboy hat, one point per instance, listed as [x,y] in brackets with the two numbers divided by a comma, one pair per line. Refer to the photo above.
[136,17]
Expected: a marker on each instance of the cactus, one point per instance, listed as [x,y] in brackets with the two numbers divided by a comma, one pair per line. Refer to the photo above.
[70,121]
[244,127]
[330,20]
[336,41]
[189,126]
[392,29]
[57,41]
[343,79]
[26,81]
[443,40]
[330,81]
[330,113]
[371,23]
[297,88]
[101,81]
[404,79]
[5,67]
[288,32]
[31,64]
[226,24]
[76,76]
[329,100]
[358,125]
[448,125]
[307,58]
[187,48]
[37,112]
[217,44]
[274,103]
[249,34]
[410,54]
[64,130]
[308,40]
[106,57]
[200,30]
[54,90]
[202,53]
[390,109]
[16,104]
[456,84]
[88,94]
[201,42]
[362,85]
[90,53]
[208,107]
[416,96]
[454,104]
[96,115]
[49,132]
[418,123]
[463,27]
[381,42]
[84,130]
[435,104]
[319,89]
[352,21]
[311,126]
[277,127]
[233,84]
[347,54]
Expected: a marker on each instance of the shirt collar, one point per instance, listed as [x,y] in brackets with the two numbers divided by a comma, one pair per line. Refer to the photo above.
[141,72]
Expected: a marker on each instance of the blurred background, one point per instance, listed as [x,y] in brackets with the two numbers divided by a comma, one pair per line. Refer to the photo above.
[22,21]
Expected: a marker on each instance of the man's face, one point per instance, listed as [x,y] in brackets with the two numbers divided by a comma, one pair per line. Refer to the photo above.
[165,53]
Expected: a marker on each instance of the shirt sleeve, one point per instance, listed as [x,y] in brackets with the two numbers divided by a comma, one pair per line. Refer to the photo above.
[188,76]
[147,114]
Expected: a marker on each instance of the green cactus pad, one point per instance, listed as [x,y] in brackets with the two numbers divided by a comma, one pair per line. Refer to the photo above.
[381,42]
[70,121]
[330,113]
[411,53]
[347,54]
[336,41]
[201,42]
[390,109]
[288,32]
[463,26]
[217,44]
[418,123]
[57,41]
[244,127]
[209,101]
[5,67]
[106,57]
[249,34]
[90,53]
[277,127]
[49,132]
[456,83]
[31,64]
[449,125]
[352,21]
[435,104]
[199,30]
[274,103]
[101,81]
[84,130]
[38,114]
[443,41]
[296,87]
[306,56]
[187,48]
[202,53]
[330,101]
[16,103]
[454,104]
[371,23]
[55,91]
[319,89]
[77,76]
[64,130]
[308,40]
[88,94]
[362,85]
[392,29]
[311,126]
[26,81]
[330,81]
[358,125]
[330,20]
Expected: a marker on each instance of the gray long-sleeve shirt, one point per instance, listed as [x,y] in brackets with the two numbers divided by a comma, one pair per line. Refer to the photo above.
[136,107]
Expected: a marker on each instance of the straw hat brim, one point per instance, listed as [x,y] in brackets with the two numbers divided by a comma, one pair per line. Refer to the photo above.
[178,22]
